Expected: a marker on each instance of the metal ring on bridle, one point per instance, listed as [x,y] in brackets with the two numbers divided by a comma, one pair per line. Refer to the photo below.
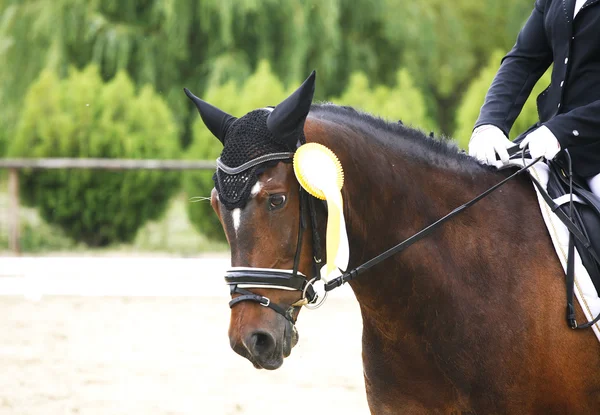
[318,303]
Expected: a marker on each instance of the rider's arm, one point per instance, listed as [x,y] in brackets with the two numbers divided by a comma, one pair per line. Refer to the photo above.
[520,70]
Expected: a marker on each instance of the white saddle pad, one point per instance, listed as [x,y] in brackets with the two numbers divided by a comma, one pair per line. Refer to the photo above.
[584,288]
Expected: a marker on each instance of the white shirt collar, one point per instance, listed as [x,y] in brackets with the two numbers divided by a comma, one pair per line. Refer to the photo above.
[578,5]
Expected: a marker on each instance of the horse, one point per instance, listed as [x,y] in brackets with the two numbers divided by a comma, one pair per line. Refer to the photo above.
[467,320]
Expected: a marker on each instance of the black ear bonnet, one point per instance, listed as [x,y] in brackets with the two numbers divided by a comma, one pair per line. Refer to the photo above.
[254,142]
[248,139]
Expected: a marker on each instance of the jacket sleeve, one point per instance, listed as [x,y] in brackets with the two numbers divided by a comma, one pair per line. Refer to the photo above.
[579,126]
[520,69]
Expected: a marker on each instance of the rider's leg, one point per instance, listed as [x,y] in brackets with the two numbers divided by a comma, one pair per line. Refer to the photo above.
[594,183]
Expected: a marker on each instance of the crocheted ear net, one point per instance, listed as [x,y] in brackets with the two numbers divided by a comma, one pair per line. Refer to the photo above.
[247,138]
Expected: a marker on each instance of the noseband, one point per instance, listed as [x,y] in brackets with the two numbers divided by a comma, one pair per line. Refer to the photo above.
[240,279]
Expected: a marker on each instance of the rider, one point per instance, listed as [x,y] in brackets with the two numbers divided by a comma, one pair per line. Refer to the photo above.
[564,33]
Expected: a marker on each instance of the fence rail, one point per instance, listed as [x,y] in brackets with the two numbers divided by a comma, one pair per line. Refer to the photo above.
[106,164]
[14,165]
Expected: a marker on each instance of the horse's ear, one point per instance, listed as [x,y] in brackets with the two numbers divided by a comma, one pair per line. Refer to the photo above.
[287,117]
[217,121]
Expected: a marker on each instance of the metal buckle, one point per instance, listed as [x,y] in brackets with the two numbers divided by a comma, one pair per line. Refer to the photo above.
[268,302]
[317,303]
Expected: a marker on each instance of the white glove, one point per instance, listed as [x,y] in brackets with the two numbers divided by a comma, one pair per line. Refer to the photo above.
[487,141]
[542,142]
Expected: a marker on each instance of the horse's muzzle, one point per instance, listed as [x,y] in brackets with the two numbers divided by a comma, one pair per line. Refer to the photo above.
[264,350]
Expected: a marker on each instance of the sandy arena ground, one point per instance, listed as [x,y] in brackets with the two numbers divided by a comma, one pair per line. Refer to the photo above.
[149,336]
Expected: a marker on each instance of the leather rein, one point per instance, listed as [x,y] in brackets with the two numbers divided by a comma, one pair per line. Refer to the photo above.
[241,279]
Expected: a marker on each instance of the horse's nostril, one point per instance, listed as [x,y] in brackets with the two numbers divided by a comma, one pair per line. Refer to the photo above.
[261,343]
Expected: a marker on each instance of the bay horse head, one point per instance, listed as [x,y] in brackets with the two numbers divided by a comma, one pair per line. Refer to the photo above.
[264,216]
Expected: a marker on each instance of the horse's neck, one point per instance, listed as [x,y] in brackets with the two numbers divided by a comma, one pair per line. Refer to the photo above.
[390,199]
[391,193]
[418,306]
[450,313]
[400,196]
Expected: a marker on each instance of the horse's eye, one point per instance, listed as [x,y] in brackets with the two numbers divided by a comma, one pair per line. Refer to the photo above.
[276,201]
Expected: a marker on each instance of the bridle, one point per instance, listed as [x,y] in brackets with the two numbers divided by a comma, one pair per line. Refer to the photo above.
[240,279]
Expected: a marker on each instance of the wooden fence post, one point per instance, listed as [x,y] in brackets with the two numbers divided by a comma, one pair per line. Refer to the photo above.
[13,210]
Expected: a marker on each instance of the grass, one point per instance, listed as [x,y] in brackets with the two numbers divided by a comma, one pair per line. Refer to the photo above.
[173,234]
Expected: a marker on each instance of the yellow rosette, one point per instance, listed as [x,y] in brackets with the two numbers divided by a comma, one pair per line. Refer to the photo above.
[320,173]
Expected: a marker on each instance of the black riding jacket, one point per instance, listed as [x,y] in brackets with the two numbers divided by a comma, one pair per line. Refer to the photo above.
[570,106]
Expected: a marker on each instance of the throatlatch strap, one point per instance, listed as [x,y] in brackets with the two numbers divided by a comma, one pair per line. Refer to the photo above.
[315,237]
[301,228]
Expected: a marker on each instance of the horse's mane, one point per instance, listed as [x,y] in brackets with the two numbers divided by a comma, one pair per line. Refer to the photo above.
[396,135]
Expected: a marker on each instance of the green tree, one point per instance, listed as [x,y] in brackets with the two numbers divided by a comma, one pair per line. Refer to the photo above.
[81,116]
[473,100]
[445,44]
[149,39]
[168,44]
[176,43]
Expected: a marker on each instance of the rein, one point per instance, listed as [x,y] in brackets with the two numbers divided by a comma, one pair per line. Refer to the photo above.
[352,274]
[241,278]
[566,219]
[247,277]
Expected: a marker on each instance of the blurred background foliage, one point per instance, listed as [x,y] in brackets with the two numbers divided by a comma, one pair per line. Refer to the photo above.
[402,101]
[80,116]
[428,64]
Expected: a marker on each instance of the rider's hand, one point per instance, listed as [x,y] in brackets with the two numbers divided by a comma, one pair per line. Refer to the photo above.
[542,142]
[487,141]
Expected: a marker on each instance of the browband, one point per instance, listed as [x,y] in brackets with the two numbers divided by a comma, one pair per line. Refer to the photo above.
[253,162]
